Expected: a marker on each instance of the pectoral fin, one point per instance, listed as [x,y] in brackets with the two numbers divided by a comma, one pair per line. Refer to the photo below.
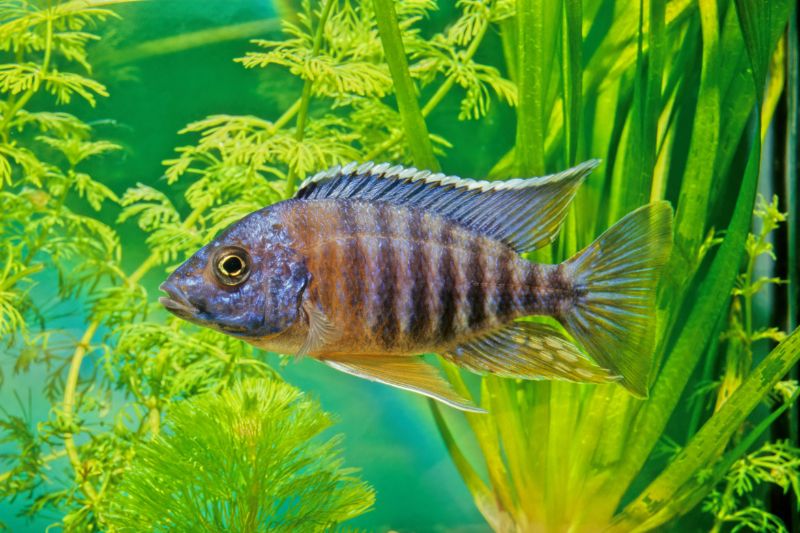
[321,330]
[409,373]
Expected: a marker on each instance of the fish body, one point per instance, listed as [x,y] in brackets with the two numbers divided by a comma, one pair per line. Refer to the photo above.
[370,266]
[402,281]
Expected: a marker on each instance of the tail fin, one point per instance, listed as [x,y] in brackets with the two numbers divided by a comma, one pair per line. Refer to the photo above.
[615,319]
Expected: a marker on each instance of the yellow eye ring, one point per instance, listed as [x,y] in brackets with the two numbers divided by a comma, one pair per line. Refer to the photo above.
[232,266]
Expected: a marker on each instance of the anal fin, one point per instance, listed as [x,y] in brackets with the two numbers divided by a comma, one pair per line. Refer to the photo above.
[527,350]
[404,372]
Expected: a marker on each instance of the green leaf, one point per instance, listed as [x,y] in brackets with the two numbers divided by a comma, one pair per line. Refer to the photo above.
[679,477]
[573,75]
[690,218]
[709,302]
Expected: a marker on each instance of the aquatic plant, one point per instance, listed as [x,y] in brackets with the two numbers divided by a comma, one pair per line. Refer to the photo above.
[246,459]
[664,92]
[111,385]
[675,97]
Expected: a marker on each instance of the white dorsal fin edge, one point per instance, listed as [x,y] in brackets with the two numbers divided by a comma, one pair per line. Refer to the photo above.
[523,213]
[387,171]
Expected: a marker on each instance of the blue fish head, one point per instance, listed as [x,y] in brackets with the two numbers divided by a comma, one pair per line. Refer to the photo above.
[248,282]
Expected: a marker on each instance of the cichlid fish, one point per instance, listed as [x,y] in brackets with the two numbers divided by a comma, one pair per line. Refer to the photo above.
[369,266]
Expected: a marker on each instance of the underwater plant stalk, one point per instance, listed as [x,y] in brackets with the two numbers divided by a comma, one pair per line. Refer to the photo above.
[196,39]
[571,51]
[696,184]
[640,157]
[681,473]
[711,296]
[438,96]
[530,83]
[305,98]
[416,131]
[790,193]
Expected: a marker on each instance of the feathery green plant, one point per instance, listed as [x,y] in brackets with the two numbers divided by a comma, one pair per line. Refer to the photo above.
[110,386]
[674,97]
[246,459]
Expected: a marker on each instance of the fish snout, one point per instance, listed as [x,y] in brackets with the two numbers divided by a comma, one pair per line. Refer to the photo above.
[176,301]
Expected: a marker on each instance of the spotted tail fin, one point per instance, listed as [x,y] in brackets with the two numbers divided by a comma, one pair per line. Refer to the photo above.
[614,319]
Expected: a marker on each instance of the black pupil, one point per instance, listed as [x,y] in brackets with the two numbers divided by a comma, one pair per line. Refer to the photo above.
[232,265]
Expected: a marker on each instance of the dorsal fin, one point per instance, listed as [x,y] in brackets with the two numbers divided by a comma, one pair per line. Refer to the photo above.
[524,213]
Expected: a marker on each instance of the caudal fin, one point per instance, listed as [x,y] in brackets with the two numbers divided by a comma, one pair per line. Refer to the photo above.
[614,319]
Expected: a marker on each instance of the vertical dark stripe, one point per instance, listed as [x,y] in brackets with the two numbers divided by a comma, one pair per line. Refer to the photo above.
[476,293]
[504,290]
[386,268]
[562,293]
[420,273]
[531,290]
[354,261]
[402,250]
[447,290]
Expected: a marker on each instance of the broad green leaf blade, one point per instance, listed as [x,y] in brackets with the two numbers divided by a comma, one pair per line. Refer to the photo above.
[692,210]
[640,156]
[754,19]
[710,301]
[681,475]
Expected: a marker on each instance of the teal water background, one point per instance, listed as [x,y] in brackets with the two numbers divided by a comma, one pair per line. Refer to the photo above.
[389,434]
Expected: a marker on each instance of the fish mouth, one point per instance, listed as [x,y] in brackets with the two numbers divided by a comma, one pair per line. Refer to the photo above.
[176,302]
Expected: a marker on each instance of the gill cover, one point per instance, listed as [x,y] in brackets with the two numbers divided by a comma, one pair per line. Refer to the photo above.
[285,278]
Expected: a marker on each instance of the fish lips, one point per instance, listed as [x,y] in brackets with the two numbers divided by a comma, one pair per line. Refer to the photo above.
[176,302]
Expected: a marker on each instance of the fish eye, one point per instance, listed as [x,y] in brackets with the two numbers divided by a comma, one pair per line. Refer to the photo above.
[232,266]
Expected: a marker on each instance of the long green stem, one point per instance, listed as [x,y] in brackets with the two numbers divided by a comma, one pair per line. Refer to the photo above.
[196,39]
[680,476]
[690,218]
[305,98]
[792,189]
[416,131]
[437,97]
[573,76]
[530,74]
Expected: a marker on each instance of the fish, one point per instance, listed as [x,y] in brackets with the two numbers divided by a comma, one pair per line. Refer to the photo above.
[370,266]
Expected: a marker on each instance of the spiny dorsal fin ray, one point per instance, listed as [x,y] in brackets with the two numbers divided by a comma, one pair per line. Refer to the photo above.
[524,213]
[527,350]
[408,373]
